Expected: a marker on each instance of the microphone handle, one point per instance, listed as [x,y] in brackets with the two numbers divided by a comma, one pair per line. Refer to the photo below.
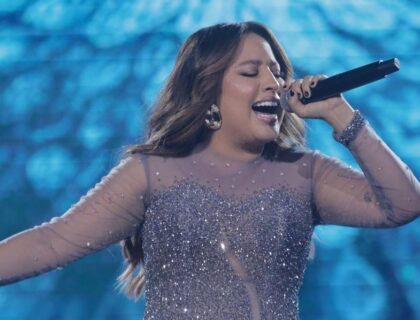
[335,85]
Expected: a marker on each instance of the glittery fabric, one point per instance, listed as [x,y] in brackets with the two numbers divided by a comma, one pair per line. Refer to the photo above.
[211,257]
[222,238]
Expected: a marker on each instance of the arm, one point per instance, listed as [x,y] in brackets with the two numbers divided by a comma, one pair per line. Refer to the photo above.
[109,212]
[386,194]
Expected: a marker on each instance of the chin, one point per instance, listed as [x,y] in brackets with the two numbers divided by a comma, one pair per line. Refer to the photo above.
[265,138]
[267,134]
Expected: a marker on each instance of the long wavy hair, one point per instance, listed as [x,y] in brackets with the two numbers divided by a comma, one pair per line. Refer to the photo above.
[176,124]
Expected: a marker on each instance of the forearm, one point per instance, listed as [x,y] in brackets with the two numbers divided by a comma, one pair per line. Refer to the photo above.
[109,212]
[394,188]
[397,191]
[25,255]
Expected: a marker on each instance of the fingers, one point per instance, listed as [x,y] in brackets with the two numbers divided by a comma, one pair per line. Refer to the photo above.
[296,89]
[315,80]
[302,87]
[286,85]
[290,98]
[306,86]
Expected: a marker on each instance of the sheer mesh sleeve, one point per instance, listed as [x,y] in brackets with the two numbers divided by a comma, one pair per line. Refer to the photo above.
[386,194]
[109,212]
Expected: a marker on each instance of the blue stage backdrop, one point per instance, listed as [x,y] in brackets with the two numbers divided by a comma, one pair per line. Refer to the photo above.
[76,81]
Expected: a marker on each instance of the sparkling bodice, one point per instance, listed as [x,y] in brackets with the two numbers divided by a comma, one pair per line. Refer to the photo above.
[226,239]
[222,239]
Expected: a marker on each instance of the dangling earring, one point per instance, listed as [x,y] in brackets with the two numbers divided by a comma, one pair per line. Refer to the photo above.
[213,118]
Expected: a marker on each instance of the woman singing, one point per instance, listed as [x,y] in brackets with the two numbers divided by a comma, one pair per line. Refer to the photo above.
[218,206]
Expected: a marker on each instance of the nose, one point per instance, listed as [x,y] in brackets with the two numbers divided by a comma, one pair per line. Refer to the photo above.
[271,82]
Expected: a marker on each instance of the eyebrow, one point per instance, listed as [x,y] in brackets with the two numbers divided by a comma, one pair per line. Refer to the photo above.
[259,62]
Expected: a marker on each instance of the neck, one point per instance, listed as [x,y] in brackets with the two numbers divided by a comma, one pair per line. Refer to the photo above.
[234,151]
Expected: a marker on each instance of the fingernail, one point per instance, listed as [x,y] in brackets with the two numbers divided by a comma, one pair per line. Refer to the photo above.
[299,95]
[312,83]
[306,93]
[292,93]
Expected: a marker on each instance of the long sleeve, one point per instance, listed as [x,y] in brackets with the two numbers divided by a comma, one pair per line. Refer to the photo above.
[108,213]
[386,194]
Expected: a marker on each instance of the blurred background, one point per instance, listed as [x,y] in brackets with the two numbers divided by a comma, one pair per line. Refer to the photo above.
[76,81]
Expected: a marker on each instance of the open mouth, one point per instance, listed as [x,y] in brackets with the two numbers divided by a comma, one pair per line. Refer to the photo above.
[266,107]
[266,111]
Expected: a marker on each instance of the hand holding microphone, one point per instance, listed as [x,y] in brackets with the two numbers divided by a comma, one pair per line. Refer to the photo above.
[317,88]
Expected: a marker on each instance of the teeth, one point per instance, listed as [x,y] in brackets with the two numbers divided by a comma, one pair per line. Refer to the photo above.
[266,104]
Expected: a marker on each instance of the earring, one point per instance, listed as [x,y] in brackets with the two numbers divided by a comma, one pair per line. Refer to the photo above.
[213,119]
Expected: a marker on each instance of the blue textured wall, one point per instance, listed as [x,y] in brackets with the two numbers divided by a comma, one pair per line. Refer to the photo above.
[76,78]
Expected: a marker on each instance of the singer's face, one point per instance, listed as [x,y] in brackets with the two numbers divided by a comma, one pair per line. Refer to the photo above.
[254,75]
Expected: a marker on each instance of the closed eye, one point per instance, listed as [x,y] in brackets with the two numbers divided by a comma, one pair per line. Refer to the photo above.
[249,74]
[277,75]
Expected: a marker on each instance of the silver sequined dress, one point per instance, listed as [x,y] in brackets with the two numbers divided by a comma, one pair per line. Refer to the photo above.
[222,239]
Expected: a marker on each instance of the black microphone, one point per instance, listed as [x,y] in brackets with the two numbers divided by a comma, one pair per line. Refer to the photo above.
[335,85]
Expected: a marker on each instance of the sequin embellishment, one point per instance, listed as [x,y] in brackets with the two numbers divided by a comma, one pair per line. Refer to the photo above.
[212,257]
